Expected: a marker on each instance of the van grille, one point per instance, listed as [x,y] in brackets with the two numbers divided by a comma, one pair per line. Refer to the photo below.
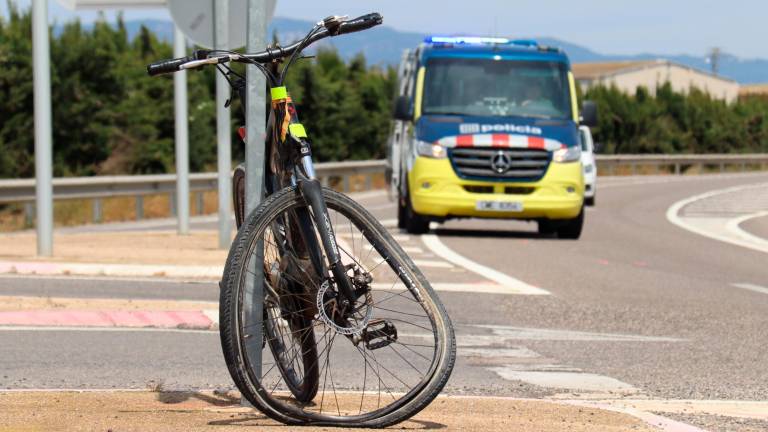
[500,164]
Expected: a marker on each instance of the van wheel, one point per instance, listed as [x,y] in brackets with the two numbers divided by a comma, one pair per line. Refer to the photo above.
[414,222]
[546,228]
[590,201]
[571,229]
[401,212]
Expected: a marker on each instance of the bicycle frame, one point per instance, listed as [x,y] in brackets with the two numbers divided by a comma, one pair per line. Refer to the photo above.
[289,163]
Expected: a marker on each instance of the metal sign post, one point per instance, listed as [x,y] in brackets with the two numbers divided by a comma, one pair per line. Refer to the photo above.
[43,135]
[180,104]
[223,127]
[182,135]
[254,163]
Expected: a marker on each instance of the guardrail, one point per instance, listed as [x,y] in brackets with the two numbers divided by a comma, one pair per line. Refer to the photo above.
[97,188]
[608,164]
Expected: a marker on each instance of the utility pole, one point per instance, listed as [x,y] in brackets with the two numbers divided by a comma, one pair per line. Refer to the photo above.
[43,129]
[714,60]
[254,169]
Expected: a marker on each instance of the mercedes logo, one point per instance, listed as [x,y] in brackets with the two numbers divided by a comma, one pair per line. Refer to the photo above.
[500,162]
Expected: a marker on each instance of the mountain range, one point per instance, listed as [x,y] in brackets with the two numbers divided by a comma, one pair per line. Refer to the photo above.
[384,45]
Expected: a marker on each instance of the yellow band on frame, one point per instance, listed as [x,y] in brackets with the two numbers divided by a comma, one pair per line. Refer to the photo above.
[279,93]
[297,130]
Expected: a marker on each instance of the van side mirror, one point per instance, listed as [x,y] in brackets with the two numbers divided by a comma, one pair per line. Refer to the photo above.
[403,109]
[589,114]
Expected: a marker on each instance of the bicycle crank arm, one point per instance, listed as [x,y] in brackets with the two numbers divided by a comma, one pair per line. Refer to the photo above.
[312,192]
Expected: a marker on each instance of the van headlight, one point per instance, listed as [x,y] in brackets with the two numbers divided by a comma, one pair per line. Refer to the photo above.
[568,154]
[434,151]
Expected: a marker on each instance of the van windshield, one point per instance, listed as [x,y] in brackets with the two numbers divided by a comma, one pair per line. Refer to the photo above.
[502,88]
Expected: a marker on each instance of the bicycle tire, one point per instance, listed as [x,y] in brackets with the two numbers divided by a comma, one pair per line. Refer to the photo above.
[233,337]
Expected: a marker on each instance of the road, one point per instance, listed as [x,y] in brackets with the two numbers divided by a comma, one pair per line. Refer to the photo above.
[638,307]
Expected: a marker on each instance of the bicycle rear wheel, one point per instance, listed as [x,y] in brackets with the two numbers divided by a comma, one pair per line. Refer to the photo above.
[378,365]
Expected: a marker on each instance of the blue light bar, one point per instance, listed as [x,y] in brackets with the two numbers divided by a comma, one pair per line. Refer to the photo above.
[477,40]
[469,40]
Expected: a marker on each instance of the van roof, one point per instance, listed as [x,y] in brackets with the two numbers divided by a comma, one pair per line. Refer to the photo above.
[499,48]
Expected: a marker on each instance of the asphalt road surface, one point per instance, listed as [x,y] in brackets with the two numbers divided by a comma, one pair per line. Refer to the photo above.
[636,307]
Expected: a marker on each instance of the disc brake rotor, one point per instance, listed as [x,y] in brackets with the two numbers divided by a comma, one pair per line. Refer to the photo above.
[353,324]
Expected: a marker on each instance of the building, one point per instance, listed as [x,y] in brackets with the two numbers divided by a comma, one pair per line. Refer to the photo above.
[754,90]
[628,75]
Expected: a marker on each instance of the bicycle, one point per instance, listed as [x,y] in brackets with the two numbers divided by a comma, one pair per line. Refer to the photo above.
[328,294]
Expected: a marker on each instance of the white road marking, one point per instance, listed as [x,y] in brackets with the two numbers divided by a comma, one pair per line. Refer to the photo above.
[212,314]
[732,408]
[388,223]
[716,227]
[513,285]
[734,226]
[484,288]
[413,249]
[751,287]
[367,194]
[433,264]
[522,333]
[380,207]
[566,380]
[517,352]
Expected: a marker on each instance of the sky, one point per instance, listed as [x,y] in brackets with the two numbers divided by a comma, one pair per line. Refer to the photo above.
[664,27]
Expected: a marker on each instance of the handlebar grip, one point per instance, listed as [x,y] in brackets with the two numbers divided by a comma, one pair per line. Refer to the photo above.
[167,66]
[361,23]
[174,65]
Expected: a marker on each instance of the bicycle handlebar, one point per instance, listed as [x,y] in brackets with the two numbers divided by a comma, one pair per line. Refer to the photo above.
[201,57]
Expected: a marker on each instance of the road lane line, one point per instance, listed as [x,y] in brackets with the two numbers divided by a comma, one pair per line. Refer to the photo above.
[433,264]
[734,226]
[724,235]
[514,352]
[751,287]
[582,381]
[539,334]
[514,286]
[479,287]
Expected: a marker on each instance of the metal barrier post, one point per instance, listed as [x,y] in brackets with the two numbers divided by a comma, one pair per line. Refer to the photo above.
[29,213]
[182,135]
[43,136]
[223,126]
[98,214]
[139,207]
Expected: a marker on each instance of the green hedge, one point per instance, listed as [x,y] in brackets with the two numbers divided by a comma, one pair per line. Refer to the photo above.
[671,122]
[109,117]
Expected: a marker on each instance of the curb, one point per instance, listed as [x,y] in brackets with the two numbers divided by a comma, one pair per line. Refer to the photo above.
[44,268]
[185,320]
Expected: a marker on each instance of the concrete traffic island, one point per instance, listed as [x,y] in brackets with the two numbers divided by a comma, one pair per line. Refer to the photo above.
[157,410]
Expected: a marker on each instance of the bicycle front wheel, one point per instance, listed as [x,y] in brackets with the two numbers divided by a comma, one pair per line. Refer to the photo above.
[377,365]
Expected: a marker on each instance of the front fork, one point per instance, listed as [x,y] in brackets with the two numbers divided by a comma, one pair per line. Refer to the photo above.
[312,191]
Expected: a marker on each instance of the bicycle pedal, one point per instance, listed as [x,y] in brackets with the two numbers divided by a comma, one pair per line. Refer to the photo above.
[378,334]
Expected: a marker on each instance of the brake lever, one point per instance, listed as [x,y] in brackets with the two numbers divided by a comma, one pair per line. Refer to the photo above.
[333,23]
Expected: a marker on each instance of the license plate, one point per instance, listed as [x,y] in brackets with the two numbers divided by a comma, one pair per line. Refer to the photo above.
[504,206]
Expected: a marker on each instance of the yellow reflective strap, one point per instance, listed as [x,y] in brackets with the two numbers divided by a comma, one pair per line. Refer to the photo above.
[574,103]
[279,93]
[297,130]
[419,93]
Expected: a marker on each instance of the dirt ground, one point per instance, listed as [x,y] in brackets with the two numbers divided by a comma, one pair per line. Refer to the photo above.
[148,411]
[152,248]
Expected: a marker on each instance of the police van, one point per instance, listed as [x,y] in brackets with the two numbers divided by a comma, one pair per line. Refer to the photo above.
[488,128]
